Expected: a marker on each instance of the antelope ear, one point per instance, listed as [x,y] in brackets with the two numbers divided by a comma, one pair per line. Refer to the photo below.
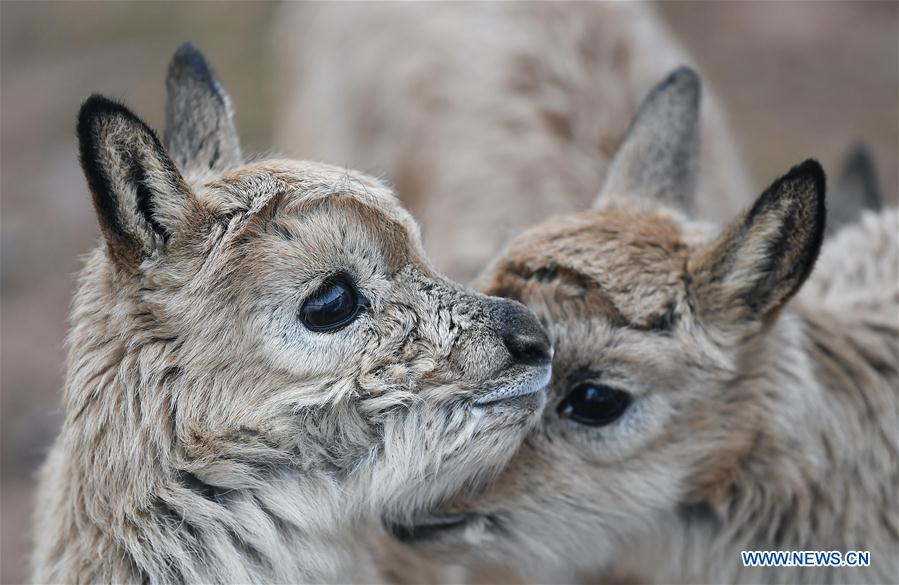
[856,190]
[199,120]
[659,157]
[139,195]
[764,256]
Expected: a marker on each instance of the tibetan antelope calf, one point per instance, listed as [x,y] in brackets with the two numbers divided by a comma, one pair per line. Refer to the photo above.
[701,403]
[261,361]
[488,117]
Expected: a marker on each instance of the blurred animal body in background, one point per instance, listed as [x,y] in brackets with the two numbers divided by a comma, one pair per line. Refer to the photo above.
[487,117]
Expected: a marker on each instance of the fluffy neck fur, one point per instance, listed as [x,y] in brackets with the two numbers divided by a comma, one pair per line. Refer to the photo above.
[120,484]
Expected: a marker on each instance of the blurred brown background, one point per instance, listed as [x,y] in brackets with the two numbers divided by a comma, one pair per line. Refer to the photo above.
[798,79]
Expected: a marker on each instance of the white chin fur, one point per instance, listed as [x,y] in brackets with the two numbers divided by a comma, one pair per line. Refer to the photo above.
[534,380]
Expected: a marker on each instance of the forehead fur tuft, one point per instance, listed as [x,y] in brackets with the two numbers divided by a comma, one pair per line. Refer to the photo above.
[625,266]
[276,185]
[251,187]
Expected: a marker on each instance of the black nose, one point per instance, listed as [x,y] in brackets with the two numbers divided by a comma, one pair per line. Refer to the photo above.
[522,334]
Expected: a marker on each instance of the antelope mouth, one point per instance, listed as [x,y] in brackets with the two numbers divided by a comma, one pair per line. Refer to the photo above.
[533,381]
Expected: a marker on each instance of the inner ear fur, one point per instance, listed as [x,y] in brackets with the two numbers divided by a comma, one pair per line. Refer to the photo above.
[762,258]
[138,194]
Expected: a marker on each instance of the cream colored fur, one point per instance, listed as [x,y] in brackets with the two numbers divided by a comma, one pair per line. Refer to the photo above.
[488,117]
[758,422]
[209,435]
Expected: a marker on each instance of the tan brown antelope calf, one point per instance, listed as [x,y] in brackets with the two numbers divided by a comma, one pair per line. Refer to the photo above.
[488,117]
[261,361]
[699,406]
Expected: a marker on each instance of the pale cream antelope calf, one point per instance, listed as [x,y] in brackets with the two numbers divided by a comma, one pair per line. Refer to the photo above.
[262,361]
[488,117]
[703,402]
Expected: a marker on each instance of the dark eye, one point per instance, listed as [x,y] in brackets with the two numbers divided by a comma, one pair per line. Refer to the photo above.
[334,305]
[594,404]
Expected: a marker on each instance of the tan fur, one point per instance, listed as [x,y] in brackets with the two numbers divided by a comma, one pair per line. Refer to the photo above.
[209,436]
[488,117]
[757,422]
[782,440]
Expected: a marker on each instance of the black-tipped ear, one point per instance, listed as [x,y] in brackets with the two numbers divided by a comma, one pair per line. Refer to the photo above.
[139,195]
[199,119]
[659,158]
[764,256]
[856,190]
